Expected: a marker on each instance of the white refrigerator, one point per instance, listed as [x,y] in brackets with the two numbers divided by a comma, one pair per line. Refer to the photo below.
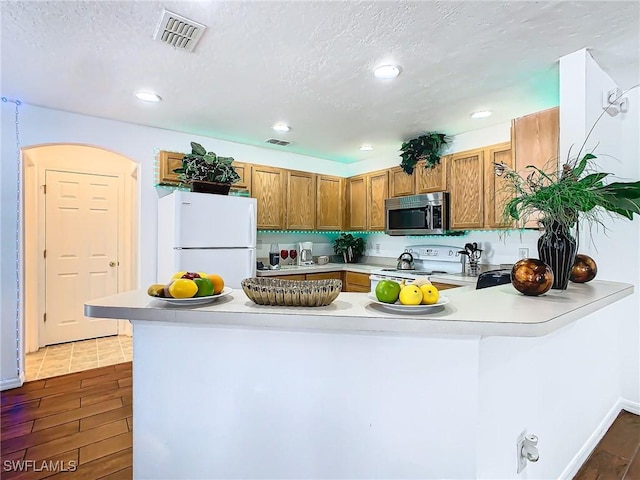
[202,232]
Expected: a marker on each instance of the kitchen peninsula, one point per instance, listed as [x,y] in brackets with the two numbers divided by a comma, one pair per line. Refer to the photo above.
[237,390]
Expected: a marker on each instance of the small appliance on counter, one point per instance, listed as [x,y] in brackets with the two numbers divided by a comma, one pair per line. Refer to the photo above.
[425,214]
[493,278]
[420,261]
[306,253]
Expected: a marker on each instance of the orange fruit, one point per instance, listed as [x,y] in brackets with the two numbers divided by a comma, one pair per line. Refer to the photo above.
[218,282]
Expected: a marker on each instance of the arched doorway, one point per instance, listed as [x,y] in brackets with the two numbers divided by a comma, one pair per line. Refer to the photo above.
[80,207]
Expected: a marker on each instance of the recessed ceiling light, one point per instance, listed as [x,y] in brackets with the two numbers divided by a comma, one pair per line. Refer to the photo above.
[148,96]
[281,127]
[387,72]
[481,114]
[366,148]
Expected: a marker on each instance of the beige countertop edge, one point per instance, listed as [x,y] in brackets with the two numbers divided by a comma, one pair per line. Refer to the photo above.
[497,311]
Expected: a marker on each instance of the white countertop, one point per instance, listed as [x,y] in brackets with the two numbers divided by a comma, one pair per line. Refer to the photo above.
[367,268]
[500,310]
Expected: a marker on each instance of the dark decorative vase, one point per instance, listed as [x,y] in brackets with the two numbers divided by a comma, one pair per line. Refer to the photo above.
[210,187]
[557,248]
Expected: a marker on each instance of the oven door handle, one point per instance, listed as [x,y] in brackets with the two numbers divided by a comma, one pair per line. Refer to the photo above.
[429,217]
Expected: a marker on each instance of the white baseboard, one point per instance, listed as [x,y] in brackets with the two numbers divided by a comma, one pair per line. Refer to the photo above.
[629,406]
[582,455]
[15,382]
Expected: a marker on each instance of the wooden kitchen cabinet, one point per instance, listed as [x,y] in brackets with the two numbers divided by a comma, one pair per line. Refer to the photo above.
[356,282]
[496,194]
[244,170]
[324,276]
[357,203]
[443,286]
[401,184]
[377,193]
[534,140]
[430,180]
[466,189]
[296,276]
[330,202]
[301,200]
[167,162]
[268,186]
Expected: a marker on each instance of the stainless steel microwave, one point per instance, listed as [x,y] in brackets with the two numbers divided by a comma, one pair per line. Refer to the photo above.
[426,214]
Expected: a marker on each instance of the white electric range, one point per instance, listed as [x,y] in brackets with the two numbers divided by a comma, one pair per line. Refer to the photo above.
[428,260]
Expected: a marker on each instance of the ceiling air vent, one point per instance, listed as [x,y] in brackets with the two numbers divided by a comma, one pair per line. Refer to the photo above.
[178,31]
[275,141]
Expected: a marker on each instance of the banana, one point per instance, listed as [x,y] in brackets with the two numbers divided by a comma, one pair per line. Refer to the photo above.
[420,281]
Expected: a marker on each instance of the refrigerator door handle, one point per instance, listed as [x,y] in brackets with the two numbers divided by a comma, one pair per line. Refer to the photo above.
[252,226]
[252,262]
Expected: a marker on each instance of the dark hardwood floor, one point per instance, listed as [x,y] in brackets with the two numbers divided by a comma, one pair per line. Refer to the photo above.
[78,426]
[617,455]
[73,426]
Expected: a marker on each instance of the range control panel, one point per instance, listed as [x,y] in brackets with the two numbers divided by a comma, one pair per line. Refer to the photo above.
[442,253]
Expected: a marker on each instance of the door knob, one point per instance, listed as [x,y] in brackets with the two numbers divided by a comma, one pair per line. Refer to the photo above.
[112,263]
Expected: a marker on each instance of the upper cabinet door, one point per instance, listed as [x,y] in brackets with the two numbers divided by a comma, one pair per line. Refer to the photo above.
[357,202]
[535,140]
[301,200]
[466,189]
[401,184]
[496,193]
[244,170]
[377,193]
[429,180]
[268,187]
[330,203]
[168,161]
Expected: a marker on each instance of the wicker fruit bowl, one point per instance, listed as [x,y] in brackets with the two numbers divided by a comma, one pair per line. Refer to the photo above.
[291,293]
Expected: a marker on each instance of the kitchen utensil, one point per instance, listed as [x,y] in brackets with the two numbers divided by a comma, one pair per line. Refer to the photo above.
[405,262]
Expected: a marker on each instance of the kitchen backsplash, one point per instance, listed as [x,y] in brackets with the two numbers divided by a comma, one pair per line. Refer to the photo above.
[498,247]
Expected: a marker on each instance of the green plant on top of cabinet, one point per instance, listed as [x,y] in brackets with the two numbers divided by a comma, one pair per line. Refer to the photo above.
[301,200]
[268,186]
[330,203]
[466,189]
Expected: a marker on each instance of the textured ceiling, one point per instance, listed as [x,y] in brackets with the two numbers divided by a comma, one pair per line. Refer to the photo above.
[309,63]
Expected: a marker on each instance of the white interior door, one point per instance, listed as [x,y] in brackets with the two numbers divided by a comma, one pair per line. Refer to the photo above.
[81,230]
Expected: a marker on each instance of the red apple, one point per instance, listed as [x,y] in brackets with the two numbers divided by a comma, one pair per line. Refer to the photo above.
[191,275]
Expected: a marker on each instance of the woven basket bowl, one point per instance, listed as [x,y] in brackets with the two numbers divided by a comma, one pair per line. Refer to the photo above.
[291,293]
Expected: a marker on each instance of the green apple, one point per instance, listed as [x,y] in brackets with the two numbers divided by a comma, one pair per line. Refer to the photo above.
[387,291]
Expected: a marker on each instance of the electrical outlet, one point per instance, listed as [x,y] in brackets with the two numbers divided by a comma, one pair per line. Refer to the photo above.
[523,252]
[377,248]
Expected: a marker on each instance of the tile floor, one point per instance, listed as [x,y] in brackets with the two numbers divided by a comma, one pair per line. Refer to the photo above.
[77,356]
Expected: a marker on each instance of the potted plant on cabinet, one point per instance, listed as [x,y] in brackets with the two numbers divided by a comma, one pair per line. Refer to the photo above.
[427,146]
[351,248]
[207,172]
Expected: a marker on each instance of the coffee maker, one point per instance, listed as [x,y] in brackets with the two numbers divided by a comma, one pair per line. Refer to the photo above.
[306,253]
